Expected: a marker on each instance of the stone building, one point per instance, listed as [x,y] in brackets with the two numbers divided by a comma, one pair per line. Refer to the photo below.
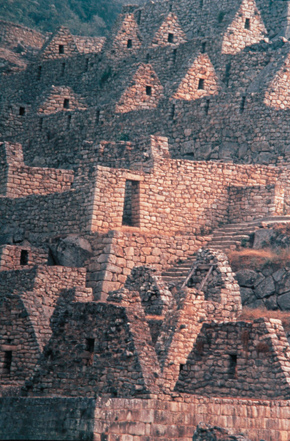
[120,158]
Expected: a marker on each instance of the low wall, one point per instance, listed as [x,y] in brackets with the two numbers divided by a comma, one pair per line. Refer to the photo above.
[119,419]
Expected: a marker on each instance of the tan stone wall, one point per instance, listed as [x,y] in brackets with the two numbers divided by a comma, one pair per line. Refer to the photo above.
[19,180]
[179,196]
[135,419]
[10,257]
[138,420]
[246,29]
[12,34]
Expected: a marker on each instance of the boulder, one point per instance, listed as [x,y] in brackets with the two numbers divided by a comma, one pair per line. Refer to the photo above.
[284,302]
[284,283]
[247,295]
[71,251]
[266,288]
[205,432]
[256,304]
[278,275]
[271,303]
[262,238]
[247,278]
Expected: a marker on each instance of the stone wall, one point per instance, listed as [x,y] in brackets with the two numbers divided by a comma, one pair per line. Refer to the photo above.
[28,298]
[249,351]
[16,257]
[116,418]
[12,34]
[171,201]
[20,180]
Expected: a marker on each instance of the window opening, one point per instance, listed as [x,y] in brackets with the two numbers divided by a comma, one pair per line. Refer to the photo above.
[97,117]
[227,74]
[62,69]
[243,103]
[148,90]
[203,46]
[206,109]
[172,111]
[233,367]
[201,84]
[247,24]
[66,103]
[40,123]
[170,38]
[21,111]
[201,4]
[39,72]
[87,65]
[129,44]
[7,362]
[174,55]
[139,17]
[170,7]
[61,49]
[131,211]
[147,58]
[181,367]
[68,121]
[24,257]
[90,345]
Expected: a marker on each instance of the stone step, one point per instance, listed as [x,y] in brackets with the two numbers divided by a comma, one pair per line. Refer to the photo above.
[229,237]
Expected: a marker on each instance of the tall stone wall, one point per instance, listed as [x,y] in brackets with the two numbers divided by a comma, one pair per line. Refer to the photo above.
[116,418]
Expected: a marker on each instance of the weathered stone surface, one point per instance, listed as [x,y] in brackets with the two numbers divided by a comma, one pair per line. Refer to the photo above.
[265,288]
[247,277]
[283,302]
[71,251]
[262,238]
[247,295]
[206,432]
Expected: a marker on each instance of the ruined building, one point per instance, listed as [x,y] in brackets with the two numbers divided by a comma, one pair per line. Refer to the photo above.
[128,166]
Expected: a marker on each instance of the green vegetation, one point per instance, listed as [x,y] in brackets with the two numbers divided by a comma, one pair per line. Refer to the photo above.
[82,17]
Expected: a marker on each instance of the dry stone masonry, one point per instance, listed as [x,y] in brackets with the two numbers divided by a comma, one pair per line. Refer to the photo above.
[126,164]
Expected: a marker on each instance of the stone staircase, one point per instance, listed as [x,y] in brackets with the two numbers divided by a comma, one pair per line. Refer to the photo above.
[228,237]
[231,236]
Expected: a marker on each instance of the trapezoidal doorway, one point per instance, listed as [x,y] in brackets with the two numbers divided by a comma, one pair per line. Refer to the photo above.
[131,211]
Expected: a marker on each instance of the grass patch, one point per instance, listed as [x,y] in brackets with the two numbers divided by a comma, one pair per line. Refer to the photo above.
[254,314]
[258,259]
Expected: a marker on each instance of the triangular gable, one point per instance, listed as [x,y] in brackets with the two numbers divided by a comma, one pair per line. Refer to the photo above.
[277,94]
[60,45]
[246,29]
[227,359]
[144,93]
[59,99]
[170,32]
[128,36]
[200,80]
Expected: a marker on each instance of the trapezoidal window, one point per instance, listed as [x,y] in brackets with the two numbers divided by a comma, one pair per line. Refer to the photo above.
[203,47]
[243,103]
[148,90]
[131,211]
[247,24]
[233,366]
[201,84]
[90,345]
[39,72]
[129,44]
[61,49]
[6,369]
[170,38]
[21,111]
[24,257]
[66,103]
